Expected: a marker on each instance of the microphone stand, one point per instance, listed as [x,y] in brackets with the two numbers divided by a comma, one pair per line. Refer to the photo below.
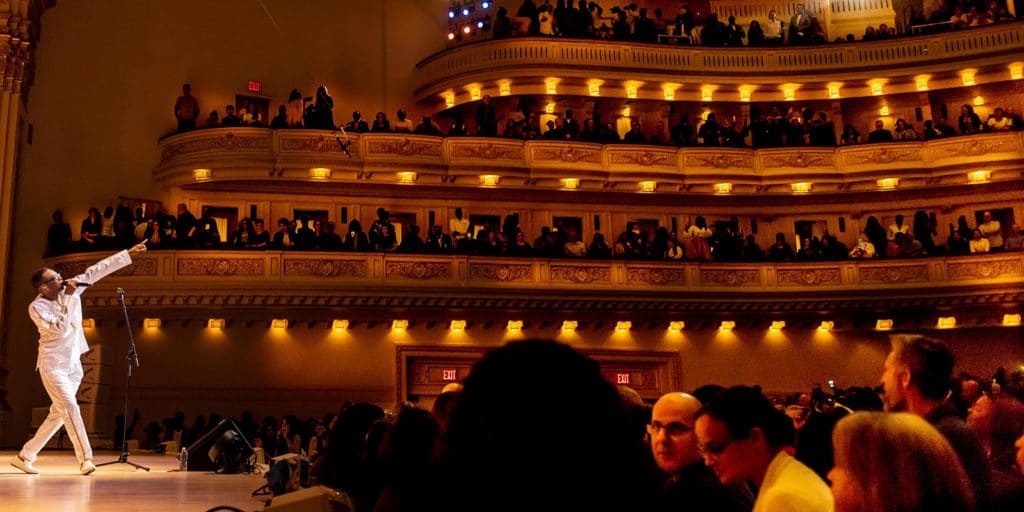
[133,359]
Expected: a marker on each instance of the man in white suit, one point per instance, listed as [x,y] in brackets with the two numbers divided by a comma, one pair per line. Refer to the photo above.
[57,313]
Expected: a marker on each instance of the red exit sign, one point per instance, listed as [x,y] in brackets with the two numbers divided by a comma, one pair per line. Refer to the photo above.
[255,86]
[622,378]
[449,375]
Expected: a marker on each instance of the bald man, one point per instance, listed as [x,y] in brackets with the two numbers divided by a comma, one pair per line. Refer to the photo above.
[689,485]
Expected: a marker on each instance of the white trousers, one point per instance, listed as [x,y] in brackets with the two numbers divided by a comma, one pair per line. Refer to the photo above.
[62,386]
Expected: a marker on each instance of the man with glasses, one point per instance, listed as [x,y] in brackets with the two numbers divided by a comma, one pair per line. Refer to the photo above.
[690,484]
[741,437]
[57,313]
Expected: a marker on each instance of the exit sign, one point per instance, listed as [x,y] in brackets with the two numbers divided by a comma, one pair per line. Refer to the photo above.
[255,86]
[622,378]
[449,375]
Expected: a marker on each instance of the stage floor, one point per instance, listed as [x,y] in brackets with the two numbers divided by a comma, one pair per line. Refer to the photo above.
[120,487]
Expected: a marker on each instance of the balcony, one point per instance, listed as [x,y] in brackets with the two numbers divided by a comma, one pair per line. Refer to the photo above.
[194,282]
[525,64]
[233,157]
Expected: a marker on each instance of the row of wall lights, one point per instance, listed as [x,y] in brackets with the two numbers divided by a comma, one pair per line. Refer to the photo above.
[882,324]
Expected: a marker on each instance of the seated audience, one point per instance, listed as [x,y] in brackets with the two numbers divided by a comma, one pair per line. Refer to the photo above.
[880,134]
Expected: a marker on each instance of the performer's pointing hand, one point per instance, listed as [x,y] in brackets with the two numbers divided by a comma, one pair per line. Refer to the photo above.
[137,248]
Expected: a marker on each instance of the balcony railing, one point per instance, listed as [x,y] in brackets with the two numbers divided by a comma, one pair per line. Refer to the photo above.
[240,279]
[391,158]
[488,61]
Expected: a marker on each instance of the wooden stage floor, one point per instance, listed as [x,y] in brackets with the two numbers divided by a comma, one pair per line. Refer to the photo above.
[120,487]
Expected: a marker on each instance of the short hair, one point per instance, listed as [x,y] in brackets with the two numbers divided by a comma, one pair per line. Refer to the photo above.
[742,409]
[37,276]
[929,361]
[897,445]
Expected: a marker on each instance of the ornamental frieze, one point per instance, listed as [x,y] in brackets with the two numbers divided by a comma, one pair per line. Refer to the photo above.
[988,269]
[496,272]
[405,147]
[418,270]
[809,276]
[885,156]
[719,161]
[655,276]
[731,277]
[801,160]
[977,147]
[893,274]
[139,267]
[220,267]
[644,158]
[488,151]
[567,154]
[581,275]
[325,268]
[229,142]
[317,144]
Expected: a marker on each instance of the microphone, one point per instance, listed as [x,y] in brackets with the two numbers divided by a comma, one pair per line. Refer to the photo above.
[80,284]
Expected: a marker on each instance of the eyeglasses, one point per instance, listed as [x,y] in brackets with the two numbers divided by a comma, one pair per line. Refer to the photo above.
[674,429]
[56,277]
[713,449]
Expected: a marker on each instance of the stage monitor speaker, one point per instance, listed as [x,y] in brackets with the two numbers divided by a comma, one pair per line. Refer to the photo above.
[221,448]
[313,499]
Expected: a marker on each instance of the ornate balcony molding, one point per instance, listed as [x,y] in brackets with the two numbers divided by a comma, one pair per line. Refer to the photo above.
[260,154]
[244,280]
[576,61]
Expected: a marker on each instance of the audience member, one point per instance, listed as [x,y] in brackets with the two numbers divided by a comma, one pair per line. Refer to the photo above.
[186,109]
[896,462]
[880,134]
[742,438]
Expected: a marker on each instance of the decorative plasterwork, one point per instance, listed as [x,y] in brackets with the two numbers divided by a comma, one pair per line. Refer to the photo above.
[719,161]
[893,274]
[418,270]
[325,268]
[967,147]
[229,142]
[644,158]
[141,266]
[655,276]
[220,266]
[567,154]
[582,275]
[502,272]
[488,151]
[405,147]
[988,269]
[732,277]
[884,156]
[316,144]
[800,160]
[809,276]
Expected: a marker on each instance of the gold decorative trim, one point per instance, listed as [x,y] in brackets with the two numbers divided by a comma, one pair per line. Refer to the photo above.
[800,160]
[893,274]
[655,276]
[719,161]
[986,269]
[325,268]
[418,270]
[488,151]
[809,276]
[317,144]
[580,275]
[492,272]
[732,277]
[405,147]
[229,142]
[567,154]
[139,267]
[885,156]
[978,148]
[644,158]
[220,267]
